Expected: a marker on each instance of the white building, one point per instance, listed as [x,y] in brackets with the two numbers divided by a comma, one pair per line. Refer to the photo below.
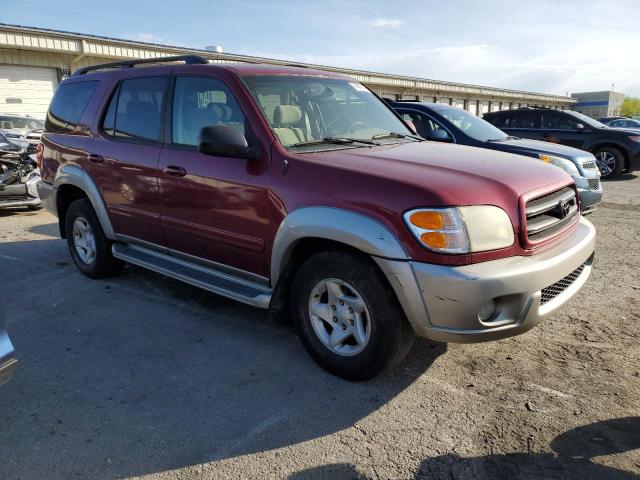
[34,60]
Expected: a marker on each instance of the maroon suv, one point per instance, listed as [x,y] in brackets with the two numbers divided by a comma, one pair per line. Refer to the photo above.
[299,189]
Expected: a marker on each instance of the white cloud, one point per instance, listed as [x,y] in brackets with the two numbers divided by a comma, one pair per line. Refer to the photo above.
[386,22]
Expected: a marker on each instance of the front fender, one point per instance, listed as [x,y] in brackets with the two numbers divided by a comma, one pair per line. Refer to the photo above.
[329,223]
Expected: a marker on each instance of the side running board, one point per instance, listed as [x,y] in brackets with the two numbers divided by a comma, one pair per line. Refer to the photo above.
[197,275]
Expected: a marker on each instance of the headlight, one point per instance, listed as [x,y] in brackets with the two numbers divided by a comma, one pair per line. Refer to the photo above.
[635,138]
[563,163]
[461,229]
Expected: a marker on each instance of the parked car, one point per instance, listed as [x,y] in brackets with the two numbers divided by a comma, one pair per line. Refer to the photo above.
[606,120]
[21,130]
[300,190]
[615,150]
[445,123]
[19,174]
[624,123]
[8,360]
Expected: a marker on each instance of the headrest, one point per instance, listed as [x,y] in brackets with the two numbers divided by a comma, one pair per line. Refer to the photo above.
[216,113]
[226,112]
[286,115]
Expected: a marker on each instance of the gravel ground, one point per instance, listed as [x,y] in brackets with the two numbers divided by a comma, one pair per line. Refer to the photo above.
[143,376]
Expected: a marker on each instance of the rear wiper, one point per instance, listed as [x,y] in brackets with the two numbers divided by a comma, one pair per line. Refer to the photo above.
[334,141]
[380,136]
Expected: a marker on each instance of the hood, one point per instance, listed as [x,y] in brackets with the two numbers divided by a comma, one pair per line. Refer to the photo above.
[446,174]
[534,147]
[14,131]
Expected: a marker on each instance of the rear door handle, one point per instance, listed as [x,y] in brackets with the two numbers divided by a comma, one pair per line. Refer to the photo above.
[174,171]
[92,157]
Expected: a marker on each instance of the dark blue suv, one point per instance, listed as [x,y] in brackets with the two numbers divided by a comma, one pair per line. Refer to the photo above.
[444,123]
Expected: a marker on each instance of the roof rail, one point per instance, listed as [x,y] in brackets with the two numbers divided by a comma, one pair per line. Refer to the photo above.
[188,59]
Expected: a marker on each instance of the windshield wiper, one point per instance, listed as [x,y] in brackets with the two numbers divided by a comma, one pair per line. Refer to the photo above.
[498,140]
[334,141]
[380,136]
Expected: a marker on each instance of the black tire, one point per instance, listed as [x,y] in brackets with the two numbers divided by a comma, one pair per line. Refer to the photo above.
[618,161]
[391,336]
[103,263]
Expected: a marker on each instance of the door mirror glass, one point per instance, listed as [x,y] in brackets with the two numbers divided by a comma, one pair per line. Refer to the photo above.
[440,135]
[224,141]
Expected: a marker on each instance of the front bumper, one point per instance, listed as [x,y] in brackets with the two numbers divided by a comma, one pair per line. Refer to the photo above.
[7,360]
[590,192]
[442,302]
[48,196]
[20,195]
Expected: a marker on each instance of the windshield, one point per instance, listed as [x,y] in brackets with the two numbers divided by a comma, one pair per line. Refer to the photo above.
[588,120]
[8,122]
[304,109]
[473,126]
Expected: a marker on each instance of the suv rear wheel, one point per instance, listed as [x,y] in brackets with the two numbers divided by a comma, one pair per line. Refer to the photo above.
[610,161]
[347,317]
[89,248]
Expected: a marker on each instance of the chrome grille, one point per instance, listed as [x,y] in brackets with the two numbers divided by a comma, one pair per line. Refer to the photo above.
[552,291]
[594,183]
[549,214]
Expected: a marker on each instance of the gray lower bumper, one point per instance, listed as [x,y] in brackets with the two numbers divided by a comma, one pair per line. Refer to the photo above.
[48,196]
[590,199]
[442,302]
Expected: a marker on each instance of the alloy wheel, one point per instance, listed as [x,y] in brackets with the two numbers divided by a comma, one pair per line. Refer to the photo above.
[84,240]
[339,317]
[606,162]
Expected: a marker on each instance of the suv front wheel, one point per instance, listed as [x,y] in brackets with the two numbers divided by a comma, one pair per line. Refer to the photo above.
[610,161]
[89,248]
[347,317]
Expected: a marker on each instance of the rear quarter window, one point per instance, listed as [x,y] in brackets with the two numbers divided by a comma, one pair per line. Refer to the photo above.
[68,105]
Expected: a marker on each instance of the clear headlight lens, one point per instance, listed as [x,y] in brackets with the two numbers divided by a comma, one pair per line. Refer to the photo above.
[635,138]
[476,228]
[563,163]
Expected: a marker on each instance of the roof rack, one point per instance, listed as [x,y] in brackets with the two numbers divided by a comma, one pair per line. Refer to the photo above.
[188,59]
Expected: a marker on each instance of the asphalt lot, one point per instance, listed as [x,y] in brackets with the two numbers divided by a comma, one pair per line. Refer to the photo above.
[141,375]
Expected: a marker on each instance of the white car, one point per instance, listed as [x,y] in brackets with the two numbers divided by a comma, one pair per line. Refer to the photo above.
[21,130]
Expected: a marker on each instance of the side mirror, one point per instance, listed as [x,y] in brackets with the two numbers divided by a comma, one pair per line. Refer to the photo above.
[579,126]
[440,135]
[224,141]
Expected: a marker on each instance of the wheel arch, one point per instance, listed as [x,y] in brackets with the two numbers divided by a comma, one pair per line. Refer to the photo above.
[620,148]
[313,226]
[72,182]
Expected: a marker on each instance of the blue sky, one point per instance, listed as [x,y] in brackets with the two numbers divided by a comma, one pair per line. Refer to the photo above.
[548,46]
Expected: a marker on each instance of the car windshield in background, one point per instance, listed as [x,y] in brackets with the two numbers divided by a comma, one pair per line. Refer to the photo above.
[470,124]
[586,120]
[304,111]
[8,122]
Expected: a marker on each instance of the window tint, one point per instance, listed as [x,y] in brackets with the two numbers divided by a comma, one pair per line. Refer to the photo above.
[200,102]
[68,105]
[425,126]
[557,121]
[524,120]
[135,109]
[500,121]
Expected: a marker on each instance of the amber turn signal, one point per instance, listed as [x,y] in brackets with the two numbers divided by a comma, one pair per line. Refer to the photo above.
[427,219]
[434,239]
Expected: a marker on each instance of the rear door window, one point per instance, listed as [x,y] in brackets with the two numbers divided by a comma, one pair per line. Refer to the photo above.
[530,120]
[68,105]
[135,110]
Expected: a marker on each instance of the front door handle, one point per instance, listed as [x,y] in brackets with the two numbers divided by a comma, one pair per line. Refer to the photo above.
[92,157]
[174,171]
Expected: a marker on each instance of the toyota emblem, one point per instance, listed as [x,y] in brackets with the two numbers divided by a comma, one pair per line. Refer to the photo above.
[564,208]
